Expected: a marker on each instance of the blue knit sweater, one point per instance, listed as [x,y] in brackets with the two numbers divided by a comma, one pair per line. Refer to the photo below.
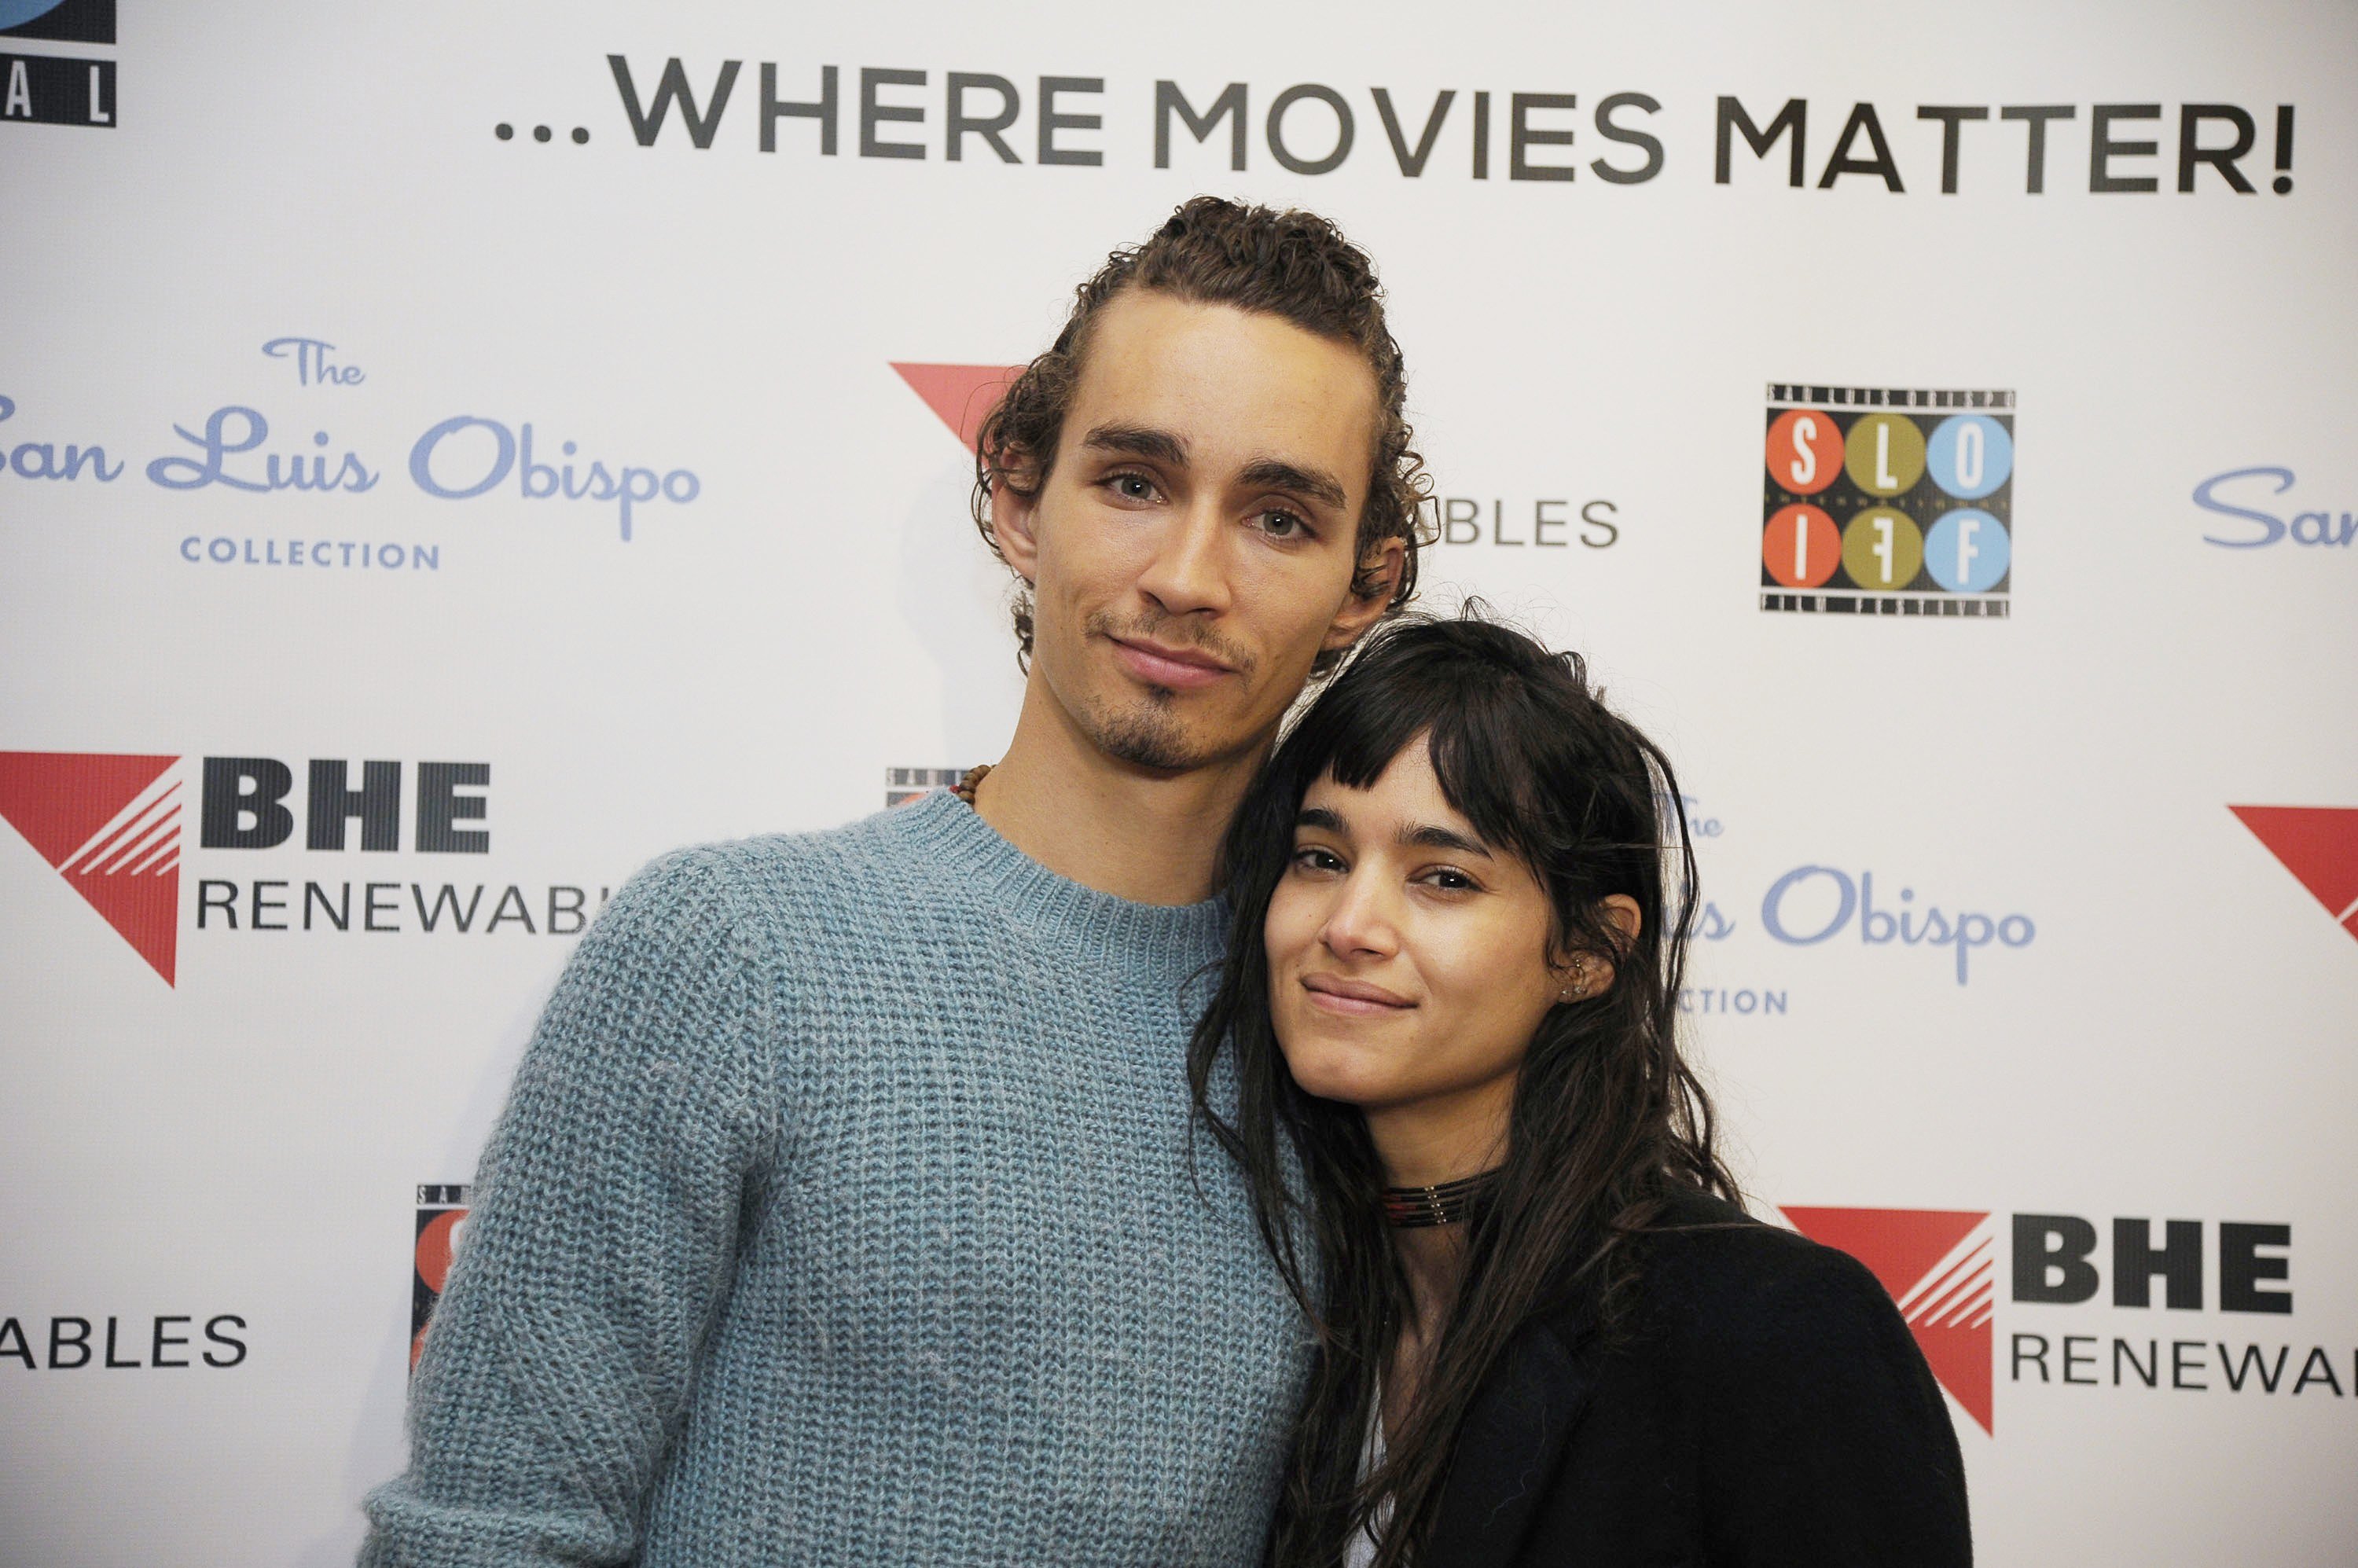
[842,1213]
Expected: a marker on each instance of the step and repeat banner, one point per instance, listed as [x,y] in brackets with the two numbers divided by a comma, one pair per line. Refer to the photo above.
[450,454]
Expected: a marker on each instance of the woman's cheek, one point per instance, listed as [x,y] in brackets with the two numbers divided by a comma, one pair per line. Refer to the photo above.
[1286,927]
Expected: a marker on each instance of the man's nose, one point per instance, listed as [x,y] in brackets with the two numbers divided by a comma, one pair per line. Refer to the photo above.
[1189,573]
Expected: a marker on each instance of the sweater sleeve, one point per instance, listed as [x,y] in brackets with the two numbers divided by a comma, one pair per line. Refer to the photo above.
[1828,1444]
[599,1246]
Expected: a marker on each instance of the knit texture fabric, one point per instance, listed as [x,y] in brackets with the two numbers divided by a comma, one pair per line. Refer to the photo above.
[843,1211]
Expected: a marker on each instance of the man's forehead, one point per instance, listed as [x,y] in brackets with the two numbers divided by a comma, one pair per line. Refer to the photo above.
[1230,386]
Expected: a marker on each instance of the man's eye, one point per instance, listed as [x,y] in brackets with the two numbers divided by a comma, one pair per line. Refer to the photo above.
[1132,486]
[1282,524]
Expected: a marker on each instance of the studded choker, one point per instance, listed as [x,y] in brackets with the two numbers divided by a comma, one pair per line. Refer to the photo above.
[1413,1208]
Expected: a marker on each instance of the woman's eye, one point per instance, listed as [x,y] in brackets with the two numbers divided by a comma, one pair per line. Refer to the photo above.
[1310,858]
[1449,880]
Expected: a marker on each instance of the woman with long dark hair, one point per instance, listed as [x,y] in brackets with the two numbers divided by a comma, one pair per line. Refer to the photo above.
[1443,1050]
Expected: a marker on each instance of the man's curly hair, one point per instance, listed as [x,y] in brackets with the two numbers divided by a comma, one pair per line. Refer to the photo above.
[1292,264]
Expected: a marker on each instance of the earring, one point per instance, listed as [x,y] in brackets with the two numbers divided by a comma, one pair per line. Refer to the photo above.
[1579,978]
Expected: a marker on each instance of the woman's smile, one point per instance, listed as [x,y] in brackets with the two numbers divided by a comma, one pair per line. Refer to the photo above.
[1353,999]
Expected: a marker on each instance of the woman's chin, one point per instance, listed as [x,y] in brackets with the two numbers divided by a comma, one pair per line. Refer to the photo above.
[1347,1074]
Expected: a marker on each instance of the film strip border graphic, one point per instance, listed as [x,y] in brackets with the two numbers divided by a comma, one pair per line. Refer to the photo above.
[1887,500]
[1796,395]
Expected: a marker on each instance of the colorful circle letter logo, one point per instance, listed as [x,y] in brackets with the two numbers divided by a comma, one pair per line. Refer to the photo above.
[1970,455]
[1882,549]
[1801,547]
[1966,552]
[1805,451]
[1883,454]
[1887,500]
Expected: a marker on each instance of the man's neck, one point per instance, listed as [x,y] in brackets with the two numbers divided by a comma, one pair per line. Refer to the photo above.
[1136,833]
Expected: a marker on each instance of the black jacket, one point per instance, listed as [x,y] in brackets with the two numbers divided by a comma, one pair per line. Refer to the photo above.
[1762,1402]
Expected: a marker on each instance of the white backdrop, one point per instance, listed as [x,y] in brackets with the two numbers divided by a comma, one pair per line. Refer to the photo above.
[233,1156]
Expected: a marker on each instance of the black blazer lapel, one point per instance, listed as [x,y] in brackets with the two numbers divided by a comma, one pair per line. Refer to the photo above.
[1507,1453]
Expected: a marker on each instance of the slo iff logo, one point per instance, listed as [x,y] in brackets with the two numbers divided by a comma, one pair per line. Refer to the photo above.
[57,89]
[1887,500]
[442,1215]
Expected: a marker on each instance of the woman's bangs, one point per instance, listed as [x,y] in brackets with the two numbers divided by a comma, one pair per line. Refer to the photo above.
[1487,772]
[1356,738]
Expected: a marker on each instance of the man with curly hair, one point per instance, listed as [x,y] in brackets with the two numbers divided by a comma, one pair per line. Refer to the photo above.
[844,1209]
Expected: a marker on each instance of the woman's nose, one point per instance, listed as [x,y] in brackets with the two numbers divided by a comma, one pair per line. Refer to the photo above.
[1360,923]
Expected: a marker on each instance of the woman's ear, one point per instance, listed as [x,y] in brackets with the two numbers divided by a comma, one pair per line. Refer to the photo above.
[1621,912]
[1587,974]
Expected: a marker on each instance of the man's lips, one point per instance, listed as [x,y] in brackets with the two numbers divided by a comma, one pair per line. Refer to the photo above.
[1353,999]
[1179,668]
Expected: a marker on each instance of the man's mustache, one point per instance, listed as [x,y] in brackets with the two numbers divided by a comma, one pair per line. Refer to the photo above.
[1172,631]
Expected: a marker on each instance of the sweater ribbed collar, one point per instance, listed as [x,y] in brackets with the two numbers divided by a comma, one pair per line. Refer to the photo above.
[954,834]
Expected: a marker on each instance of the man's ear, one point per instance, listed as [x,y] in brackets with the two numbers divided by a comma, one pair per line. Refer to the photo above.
[1379,570]
[1014,514]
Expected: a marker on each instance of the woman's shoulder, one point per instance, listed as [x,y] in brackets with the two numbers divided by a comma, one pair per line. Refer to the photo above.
[1781,1376]
[1709,1243]
[1717,1286]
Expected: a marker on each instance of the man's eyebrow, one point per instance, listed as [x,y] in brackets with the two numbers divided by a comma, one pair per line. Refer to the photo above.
[1275,473]
[1427,835]
[1139,441]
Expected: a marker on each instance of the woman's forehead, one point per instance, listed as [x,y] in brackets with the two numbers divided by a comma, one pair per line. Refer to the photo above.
[1407,782]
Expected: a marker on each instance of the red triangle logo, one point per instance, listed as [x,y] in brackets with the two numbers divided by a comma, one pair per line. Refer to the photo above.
[961,395]
[2319,845]
[111,826]
[1946,1289]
